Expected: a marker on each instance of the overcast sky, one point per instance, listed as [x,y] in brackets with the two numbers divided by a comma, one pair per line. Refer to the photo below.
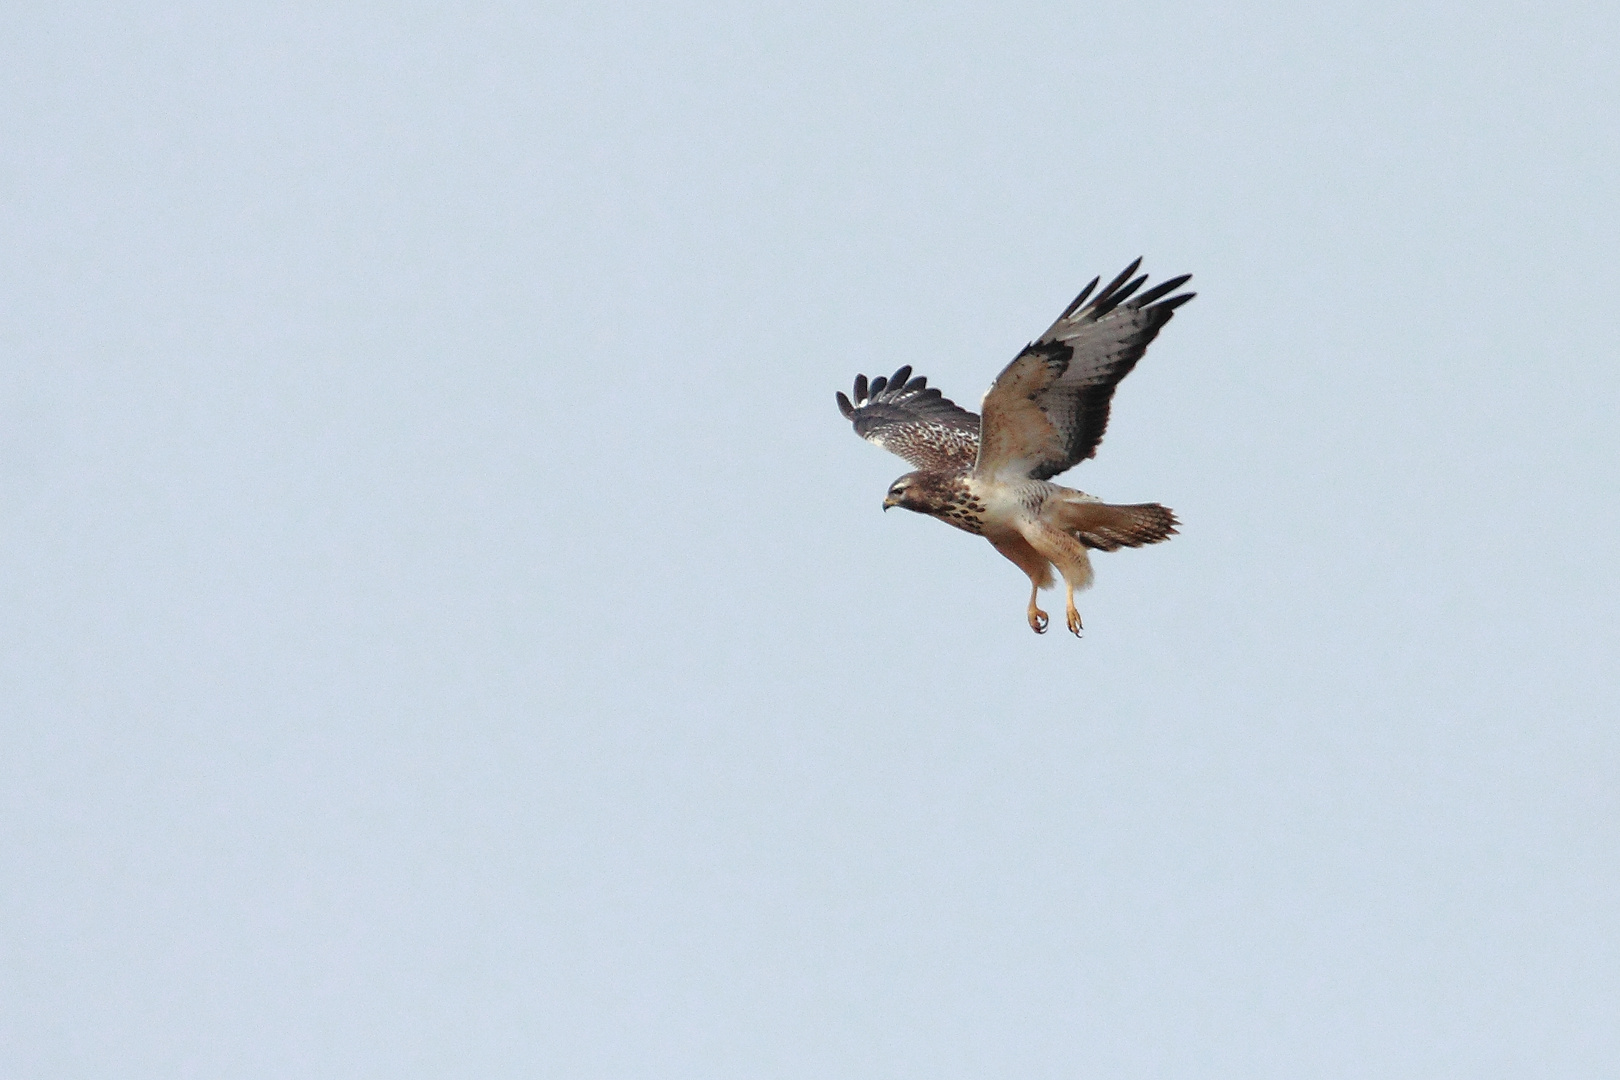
[447,629]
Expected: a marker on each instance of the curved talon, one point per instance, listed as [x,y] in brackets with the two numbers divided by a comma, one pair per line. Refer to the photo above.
[1038,620]
[1074,623]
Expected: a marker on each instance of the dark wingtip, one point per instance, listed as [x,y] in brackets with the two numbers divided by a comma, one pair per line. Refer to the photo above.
[1110,295]
[1085,292]
[898,379]
[1161,289]
[878,385]
[1124,275]
[860,388]
[845,407]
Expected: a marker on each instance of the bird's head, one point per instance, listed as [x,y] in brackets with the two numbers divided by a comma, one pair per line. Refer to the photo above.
[917,491]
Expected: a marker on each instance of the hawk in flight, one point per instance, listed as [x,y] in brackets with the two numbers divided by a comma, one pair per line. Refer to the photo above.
[1045,413]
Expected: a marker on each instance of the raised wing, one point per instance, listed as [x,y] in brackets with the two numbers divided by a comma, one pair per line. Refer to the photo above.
[904,416]
[1048,409]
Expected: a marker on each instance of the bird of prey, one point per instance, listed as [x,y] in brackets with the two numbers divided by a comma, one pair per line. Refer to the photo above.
[991,475]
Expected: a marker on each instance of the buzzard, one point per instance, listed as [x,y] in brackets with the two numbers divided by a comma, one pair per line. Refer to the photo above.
[1045,413]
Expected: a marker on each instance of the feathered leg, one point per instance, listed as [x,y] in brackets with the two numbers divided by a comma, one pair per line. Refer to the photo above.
[1070,557]
[1031,562]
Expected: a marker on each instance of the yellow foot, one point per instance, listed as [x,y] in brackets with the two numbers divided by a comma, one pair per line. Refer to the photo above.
[1074,621]
[1037,619]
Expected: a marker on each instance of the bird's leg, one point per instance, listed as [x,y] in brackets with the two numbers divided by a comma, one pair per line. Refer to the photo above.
[1074,615]
[1049,545]
[1037,617]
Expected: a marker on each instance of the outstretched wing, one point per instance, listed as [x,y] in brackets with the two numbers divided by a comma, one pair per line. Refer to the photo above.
[1048,409]
[904,416]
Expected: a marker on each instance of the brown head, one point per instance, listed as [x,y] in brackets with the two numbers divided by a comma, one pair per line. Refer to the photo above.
[940,495]
[923,492]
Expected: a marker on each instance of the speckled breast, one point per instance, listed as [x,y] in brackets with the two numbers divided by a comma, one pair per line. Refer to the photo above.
[964,510]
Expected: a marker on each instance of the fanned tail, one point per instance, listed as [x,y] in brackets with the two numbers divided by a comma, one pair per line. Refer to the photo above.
[1109,527]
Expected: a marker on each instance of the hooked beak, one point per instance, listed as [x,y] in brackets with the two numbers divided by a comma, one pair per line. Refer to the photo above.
[888,501]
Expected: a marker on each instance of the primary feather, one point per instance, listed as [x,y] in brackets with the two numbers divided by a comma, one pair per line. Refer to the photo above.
[1048,409]
[907,417]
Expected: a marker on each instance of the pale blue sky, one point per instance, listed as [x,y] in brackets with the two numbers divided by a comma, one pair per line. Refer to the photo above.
[450,631]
